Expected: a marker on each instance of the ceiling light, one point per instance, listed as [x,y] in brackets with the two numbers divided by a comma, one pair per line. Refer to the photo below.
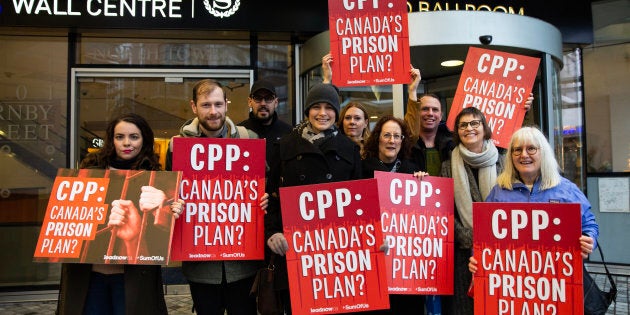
[451,63]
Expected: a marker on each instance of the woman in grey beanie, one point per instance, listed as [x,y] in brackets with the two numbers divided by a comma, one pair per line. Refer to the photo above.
[323,93]
[314,152]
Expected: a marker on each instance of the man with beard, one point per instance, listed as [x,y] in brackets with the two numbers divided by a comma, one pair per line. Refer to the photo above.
[216,286]
[263,118]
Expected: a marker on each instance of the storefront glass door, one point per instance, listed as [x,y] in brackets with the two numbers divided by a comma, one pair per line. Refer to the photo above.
[160,96]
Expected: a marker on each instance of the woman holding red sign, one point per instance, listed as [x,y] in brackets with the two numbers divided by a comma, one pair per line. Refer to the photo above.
[532,174]
[388,149]
[120,288]
[314,152]
[474,165]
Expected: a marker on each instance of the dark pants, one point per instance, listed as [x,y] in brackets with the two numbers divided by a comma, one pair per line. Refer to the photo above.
[106,295]
[400,304]
[285,297]
[215,299]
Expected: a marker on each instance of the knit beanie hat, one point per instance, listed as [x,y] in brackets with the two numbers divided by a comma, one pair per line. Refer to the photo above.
[323,93]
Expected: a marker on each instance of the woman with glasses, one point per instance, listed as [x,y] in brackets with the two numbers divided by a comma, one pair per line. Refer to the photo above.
[532,174]
[388,149]
[474,165]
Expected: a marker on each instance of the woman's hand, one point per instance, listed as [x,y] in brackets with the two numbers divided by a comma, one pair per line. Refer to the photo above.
[264,202]
[177,207]
[278,244]
[472,265]
[529,102]
[327,68]
[384,247]
[586,245]
[420,175]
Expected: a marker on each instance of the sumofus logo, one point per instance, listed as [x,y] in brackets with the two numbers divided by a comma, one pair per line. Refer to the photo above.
[222,8]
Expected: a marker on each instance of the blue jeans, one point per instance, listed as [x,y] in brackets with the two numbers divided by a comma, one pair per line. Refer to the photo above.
[106,295]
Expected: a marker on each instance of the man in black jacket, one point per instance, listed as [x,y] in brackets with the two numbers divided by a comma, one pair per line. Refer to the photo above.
[424,116]
[263,118]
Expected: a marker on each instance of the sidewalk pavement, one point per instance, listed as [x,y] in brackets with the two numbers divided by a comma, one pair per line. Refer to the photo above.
[179,302]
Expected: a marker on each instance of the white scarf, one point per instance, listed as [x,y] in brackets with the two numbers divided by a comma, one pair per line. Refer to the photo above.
[486,162]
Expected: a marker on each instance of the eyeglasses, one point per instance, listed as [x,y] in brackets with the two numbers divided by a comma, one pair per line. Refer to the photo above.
[266,98]
[473,123]
[531,150]
[388,136]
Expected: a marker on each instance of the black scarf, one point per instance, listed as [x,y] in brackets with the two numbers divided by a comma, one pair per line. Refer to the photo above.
[121,164]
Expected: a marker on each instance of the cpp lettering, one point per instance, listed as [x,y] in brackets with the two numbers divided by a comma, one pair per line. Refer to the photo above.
[324,201]
[349,4]
[399,190]
[496,63]
[70,190]
[198,156]
[518,220]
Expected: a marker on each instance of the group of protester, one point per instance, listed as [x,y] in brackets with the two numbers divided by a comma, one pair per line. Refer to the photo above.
[331,144]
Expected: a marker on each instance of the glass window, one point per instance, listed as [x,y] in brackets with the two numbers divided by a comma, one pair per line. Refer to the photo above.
[274,64]
[33,129]
[163,99]
[606,96]
[570,137]
[172,52]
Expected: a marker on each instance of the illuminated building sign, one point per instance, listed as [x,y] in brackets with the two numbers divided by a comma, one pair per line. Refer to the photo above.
[572,18]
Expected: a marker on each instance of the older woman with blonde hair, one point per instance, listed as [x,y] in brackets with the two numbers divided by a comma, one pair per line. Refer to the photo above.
[532,174]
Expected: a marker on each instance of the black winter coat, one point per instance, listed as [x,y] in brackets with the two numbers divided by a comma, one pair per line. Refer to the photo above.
[272,133]
[443,143]
[296,162]
[372,164]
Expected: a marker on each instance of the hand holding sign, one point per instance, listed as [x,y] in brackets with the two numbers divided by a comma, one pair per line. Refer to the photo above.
[278,244]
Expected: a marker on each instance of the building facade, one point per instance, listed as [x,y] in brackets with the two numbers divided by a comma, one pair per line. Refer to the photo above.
[68,67]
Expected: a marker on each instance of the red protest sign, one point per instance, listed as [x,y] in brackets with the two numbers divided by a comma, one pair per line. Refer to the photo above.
[529,258]
[498,84]
[369,41]
[223,181]
[334,234]
[417,220]
[75,227]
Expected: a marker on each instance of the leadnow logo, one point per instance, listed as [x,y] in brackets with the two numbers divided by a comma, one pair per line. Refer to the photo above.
[222,8]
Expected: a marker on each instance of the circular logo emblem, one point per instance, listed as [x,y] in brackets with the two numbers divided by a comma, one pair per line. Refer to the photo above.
[222,8]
